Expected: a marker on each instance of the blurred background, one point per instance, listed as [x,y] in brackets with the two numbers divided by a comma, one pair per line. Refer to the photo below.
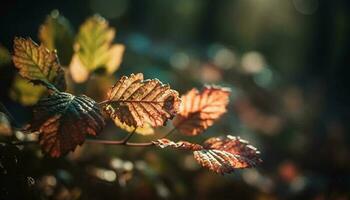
[285,61]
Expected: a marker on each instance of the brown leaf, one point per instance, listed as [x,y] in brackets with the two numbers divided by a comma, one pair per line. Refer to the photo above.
[219,154]
[135,101]
[163,143]
[5,125]
[63,120]
[224,154]
[199,110]
[36,63]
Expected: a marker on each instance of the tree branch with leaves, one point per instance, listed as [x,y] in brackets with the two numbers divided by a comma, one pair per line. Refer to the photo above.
[137,105]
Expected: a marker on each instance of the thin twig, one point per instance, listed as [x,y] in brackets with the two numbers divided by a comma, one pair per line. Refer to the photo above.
[103,102]
[23,142]
[127,138]
[120,142]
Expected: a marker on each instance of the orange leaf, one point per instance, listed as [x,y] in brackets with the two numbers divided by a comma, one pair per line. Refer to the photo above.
[63,120]
[224,154]
[163,143]
[199,110]
[136,102]
[220,154]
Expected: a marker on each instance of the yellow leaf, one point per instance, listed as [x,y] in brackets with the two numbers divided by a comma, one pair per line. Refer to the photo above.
[36,63]
[56,33]
[145,130]
[77,70]
[26,92]
[93,46]
[116,56]
[5,57]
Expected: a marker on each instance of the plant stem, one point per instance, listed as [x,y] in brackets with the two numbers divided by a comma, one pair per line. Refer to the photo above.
[127,138]
[103,102]
[123,142]
[120,142]
[23,142]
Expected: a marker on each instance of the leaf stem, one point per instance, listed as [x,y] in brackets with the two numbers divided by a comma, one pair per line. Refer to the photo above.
[103,102]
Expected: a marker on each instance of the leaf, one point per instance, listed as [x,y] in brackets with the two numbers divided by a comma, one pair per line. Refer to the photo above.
[199,110]
[5,126]
[136,102]
[25,92]
[145,130]
[184,145]
[93,48]
[63,120]
[56,33]
[224,154]
[5,57]
[219,154]
[36,63]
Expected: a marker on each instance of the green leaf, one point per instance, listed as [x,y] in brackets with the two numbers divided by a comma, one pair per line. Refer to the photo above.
[93,48]
[5,57]
[26,92]
[38,64]
[63,120]
[56,33]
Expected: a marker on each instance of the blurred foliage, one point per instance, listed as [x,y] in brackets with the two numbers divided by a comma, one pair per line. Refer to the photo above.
[57,34]
[26,92]
[93,49]
[286,63]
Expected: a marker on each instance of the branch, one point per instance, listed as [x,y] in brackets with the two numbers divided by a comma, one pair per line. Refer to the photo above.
[103,102]
[120,142]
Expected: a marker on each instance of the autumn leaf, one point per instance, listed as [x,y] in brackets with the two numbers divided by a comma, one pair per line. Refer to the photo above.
[136,102]
[5,126]
[63,120]
[25,92]
[56,33]
[94,49]
[224,154]
[184,145]
[199,110]
[219,154]
[145,130]
[38,64]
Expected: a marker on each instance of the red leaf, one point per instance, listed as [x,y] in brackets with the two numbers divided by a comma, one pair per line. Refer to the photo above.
[224,154]
[199,110]
[63,120]
[219,154]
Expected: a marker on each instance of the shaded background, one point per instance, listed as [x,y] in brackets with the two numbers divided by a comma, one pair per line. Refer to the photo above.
[285,61]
